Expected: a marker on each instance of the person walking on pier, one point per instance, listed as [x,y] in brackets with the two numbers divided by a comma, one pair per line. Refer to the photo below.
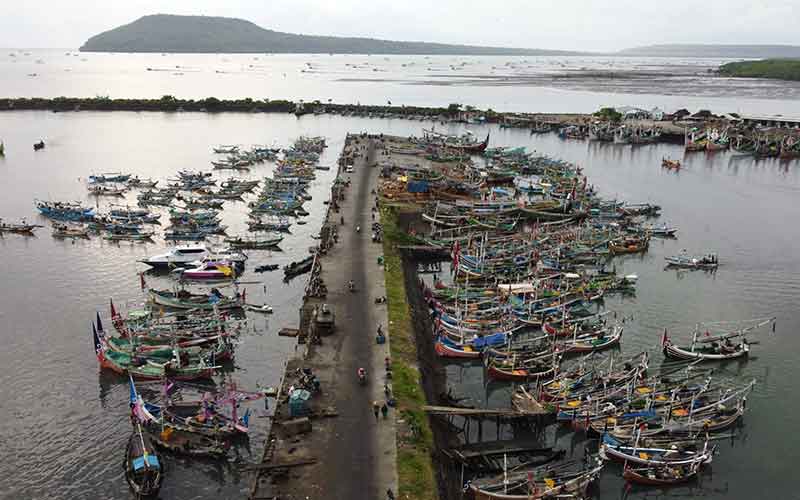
[384,410]
[376,408]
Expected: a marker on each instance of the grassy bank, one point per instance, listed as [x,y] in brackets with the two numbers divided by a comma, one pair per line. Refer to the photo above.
[414,439]
[779,69]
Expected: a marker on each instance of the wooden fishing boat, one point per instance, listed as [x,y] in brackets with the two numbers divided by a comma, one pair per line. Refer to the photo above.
[129,235]
[64,210]
[613,449]
[707,352]
[671,164]
[109,177]
[254,243]
[629,245]
[183,442]
[70,231]
[20,228]
[143,467]
[299,267]
[527,370]
[669,475]
[186,300]
[551,481]
[184,236]
[447,349]
[103,190]
[147,369]
[263,308]
[591,343]
[708,261]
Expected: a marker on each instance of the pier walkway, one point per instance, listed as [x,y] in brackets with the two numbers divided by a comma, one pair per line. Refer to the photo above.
[349,453]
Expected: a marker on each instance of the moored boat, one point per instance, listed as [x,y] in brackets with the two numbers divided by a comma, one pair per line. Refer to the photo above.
[143,468]
[186,300]
[668,475]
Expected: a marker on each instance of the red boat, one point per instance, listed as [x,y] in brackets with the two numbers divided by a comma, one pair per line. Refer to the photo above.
[451,351]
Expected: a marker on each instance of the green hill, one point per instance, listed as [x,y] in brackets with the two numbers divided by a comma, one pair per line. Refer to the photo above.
[780,69]
[168,33]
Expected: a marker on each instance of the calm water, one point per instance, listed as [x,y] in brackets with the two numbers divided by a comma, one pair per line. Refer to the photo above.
[538,84]
[64,425]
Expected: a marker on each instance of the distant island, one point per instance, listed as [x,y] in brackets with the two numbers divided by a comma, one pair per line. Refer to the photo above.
[718,51]
[200,34]
[779,69]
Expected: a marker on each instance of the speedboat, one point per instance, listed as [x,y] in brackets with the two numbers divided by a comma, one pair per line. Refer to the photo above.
[179,256]
[209,271]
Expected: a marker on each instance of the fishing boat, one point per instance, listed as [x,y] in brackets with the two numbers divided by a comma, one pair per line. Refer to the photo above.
[141,183]
[61,210]
[267,267]
[663,231]
[109,177]
[186,300]
[183,442]
[511,369]
[629,245]
[143,368]
[591,343]
[103,190]
[565,480]
[185,235]
[708,261]
[254,243]
[131,234]
[177,257]
[20,228]
[446,348]
[263,308]
[717,347]
[226,150]
[695,140]
[614,449]
[143,469]
[150,369]
[668,475]
[299,267]
[671,164]
[70,231]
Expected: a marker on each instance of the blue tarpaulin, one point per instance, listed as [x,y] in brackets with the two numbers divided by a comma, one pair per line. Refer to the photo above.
[418,186]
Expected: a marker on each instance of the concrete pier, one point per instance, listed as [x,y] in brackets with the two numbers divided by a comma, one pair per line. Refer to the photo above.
[348,452]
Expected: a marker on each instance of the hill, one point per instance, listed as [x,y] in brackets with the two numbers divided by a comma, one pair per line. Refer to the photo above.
[779,69]
[720,51]
[168,33]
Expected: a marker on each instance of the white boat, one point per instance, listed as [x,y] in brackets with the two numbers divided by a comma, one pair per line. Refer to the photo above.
[179,256]
[265,309]
[683,260]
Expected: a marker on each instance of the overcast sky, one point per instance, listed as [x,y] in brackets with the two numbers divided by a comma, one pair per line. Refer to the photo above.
[551,24]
